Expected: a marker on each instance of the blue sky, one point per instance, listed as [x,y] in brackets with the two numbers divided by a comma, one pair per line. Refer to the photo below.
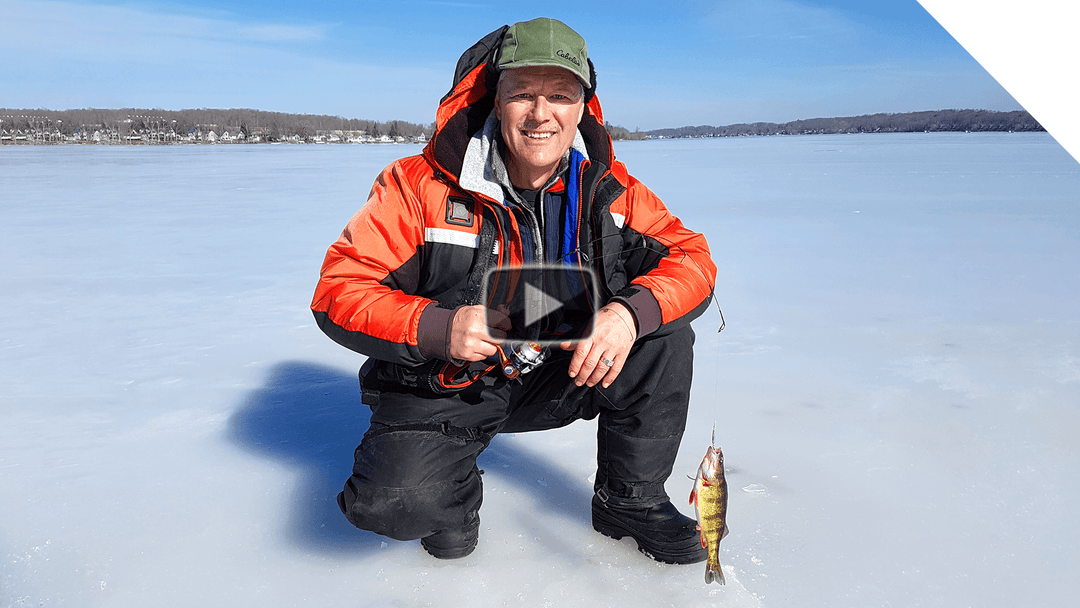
[660,64]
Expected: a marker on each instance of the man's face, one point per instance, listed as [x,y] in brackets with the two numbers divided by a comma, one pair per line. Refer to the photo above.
[540,108]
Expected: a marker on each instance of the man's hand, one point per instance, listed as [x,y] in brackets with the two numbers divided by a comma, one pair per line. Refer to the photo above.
[471,339]
[601,357]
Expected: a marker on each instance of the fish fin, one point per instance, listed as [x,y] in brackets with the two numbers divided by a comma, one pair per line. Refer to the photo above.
[704,544]
[693,496]
[724,535]
[714,574]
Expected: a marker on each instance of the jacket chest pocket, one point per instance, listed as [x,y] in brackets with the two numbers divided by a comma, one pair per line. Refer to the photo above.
[456,262]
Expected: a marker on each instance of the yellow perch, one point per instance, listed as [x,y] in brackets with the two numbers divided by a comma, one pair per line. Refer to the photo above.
[709,498]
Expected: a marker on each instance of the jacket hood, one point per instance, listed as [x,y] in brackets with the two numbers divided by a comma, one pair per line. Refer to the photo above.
[464,110]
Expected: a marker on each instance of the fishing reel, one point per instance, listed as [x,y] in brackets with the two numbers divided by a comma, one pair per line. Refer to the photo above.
[522,358]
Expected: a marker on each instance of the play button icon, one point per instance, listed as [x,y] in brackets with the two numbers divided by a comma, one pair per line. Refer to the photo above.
[538,304]
[546,304]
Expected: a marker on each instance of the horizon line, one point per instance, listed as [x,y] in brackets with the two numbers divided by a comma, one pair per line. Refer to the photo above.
[338,116]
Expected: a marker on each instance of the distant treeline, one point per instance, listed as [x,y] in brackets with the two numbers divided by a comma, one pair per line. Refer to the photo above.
[256,125]
[940,120]
[619,133]
[165,126]
[271,126]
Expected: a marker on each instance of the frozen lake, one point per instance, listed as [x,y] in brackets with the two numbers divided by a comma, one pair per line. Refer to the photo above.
[897,391]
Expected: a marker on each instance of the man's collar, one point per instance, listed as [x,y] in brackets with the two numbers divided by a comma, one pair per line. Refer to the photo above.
[500,172]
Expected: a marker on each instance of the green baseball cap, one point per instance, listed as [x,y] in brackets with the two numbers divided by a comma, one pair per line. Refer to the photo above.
[544,42]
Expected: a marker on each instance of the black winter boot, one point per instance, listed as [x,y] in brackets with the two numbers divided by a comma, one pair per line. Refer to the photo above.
[661,531]
[455,543]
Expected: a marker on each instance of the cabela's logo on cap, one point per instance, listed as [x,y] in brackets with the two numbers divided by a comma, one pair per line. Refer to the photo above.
[567,56]
[544,42]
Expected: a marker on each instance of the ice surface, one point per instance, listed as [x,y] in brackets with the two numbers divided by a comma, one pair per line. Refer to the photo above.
[896,391]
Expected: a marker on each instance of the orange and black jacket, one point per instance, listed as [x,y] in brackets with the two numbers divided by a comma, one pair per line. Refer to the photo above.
[419,248]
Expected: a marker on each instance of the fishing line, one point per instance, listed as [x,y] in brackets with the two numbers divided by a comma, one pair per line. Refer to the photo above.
[712,294]
[646,247]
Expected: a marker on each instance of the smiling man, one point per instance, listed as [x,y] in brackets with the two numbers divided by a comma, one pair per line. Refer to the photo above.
[520,171]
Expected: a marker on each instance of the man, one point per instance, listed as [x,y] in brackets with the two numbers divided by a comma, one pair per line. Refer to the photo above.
[519,171]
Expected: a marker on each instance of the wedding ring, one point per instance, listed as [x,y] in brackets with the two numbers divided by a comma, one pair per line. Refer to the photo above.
[607,362]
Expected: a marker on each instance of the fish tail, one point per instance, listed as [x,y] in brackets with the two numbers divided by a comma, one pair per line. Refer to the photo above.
[714,573]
